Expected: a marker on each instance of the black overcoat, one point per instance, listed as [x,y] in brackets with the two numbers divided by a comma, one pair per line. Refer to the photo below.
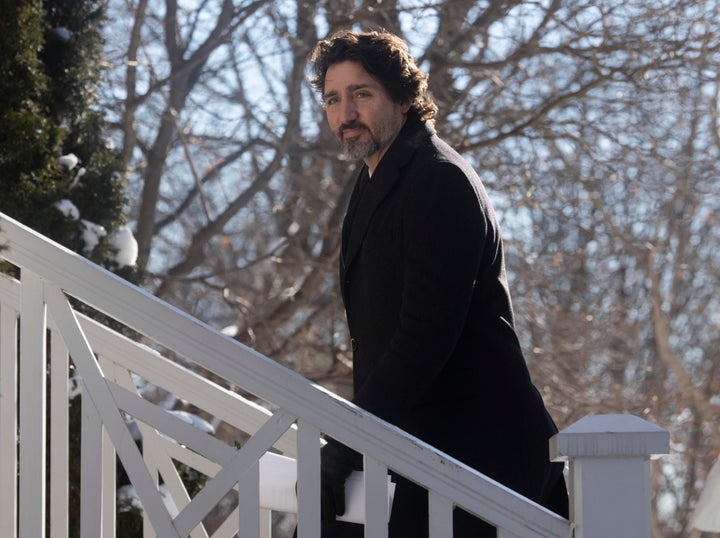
[434,346]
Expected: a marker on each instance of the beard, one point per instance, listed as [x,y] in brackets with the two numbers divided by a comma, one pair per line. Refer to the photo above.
[357,149]
[361,147]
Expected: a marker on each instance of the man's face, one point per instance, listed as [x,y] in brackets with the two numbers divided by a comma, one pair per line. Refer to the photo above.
[360,112]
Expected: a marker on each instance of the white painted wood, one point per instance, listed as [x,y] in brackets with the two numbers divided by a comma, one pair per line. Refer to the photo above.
[610,435]
[449,481]
[173,450]
[32,408]
[9,289]
[109,468]
[149,459]
[160,451]
[172,426]
[97,391]
[617,486]
[161,459]
[170,476]
[440,515]
[122,351]
[308,487]
[185,384]
[8,419]
[249,501]
[109,487]
[376,498]
[174,487]
[59,426]
[217,487]
[91,487]
[188,457]
[609,459]
[265,523]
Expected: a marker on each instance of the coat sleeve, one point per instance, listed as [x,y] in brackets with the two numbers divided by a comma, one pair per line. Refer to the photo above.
[446,228]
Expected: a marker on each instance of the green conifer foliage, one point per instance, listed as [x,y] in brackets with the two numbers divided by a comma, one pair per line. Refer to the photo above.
[29,139]
[50,65]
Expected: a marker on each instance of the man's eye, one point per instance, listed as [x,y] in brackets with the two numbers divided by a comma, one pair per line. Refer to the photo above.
[361,95]
[330,101]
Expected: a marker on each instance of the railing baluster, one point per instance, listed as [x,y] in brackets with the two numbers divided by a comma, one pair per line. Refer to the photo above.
[59,426]
[440,514]
[8,421]
[376,498]
[109,482]
[32,407]
[91,486]
[308,487]
[150,460]
[109,495]
[249,502]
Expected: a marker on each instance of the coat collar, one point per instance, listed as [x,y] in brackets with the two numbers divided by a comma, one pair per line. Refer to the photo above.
[411,135]
[365,199]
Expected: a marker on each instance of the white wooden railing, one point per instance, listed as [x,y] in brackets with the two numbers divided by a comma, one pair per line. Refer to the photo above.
[41,335]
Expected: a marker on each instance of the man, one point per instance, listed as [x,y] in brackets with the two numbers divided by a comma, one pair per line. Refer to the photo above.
[423,283]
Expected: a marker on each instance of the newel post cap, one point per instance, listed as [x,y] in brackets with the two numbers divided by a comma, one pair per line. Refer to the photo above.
[611,436]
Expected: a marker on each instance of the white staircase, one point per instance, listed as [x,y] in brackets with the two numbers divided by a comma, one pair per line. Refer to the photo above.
[42,335]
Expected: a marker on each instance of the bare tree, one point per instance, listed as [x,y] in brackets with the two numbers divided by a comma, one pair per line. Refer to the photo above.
[594,126]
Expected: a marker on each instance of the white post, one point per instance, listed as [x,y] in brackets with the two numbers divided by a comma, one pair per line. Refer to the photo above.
[609,457]
[33,407]
[8,421]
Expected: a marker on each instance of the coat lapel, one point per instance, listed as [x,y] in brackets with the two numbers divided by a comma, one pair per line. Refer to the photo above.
[365,200]
[377,188]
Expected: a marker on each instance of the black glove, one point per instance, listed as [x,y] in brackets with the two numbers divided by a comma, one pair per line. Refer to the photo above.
[336,463]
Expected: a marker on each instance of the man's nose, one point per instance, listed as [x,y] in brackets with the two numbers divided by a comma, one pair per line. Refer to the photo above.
[348,111]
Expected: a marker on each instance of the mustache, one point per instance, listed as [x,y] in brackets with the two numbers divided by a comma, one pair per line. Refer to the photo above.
[352,125]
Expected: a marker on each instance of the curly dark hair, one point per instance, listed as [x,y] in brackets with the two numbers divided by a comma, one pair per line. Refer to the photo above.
[384,56]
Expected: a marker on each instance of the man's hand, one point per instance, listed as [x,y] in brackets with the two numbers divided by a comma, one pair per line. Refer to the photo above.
[336,463]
